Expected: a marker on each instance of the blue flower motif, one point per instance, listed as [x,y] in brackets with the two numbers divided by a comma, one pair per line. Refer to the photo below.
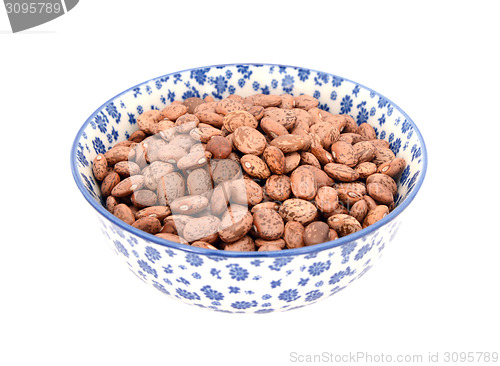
[321,78]
[211,293]
[347,249]
[243,304]
[275,284]
[280,262]
[200,75]
[187,295]
[256,262]
[318,268]
[158,84]
[303,281]
[113,136]
[152,254]
[132,241]
[147,268]
[220,84]
[405,126]
[319,284]
[382,102]
[234,290]
[88,183]
[137,91]
[194,259]
[237,273]
[264,311]
[324,107]
[287,83]
[177,78]
[81,157]
[313,295]
[346,105]
[196,275]
[289,295]
[191,93]
[255,85]
[416,152]
[244,70]
[229,74]
[362,116]
[266,297]
[274,83]
[404,175]
[333,95]
[216,258]
[160,287]
[413,179]
[336,277]
[140,109]
[113,112]
[337,289]
[168,269]
[183,281]
[396,145]
[101,121]
[241,83]
[381,120]
[170,252]
[340,275]
[356,90]
[337,81]
[372,111]
[119,246]
[303,74]
[171,95]
[216,273]
[167,281]
[131,118]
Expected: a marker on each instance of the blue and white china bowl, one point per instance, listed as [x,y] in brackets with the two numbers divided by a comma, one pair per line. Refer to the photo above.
[248,282]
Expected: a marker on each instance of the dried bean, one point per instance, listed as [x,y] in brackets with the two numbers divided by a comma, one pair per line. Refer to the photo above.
[199,165]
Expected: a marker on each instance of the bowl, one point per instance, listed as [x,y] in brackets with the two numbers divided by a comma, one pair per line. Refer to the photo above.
[249,282]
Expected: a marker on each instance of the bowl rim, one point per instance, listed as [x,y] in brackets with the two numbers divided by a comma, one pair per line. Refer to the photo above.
[232,254]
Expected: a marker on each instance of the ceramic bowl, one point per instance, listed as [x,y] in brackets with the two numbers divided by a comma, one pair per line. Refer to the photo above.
[248,282]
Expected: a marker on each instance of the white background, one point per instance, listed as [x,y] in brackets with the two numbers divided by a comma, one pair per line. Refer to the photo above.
[66,299]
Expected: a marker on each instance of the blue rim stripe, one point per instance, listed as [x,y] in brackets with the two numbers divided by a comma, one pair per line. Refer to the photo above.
[280,253]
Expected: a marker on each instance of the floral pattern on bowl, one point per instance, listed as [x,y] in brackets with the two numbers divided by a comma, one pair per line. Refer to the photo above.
[255,282]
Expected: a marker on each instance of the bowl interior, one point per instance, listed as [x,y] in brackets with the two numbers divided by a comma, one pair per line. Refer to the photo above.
[115,120]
